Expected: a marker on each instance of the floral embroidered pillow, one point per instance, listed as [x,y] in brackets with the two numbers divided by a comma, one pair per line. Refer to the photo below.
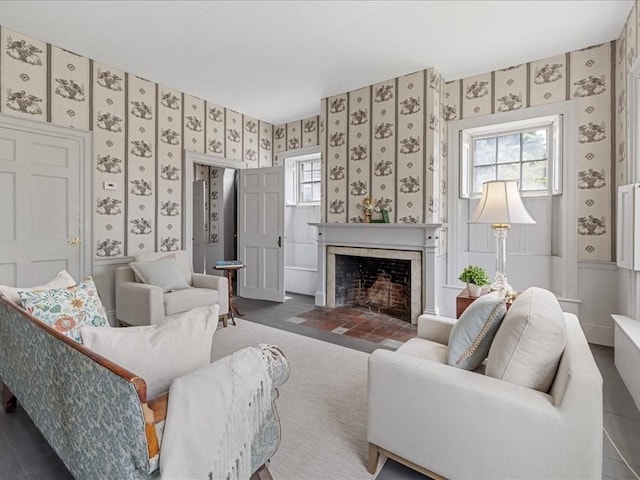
[66,309]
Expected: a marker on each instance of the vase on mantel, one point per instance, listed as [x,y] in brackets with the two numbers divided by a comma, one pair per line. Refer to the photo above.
[474,290]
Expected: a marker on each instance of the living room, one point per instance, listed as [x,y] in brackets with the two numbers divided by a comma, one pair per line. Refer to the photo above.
[267,85]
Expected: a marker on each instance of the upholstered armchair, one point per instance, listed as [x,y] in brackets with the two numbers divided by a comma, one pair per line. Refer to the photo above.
[139,303]
[454,423]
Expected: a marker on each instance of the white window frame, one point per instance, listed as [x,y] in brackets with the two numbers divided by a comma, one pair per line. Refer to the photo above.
[553,124]
[563,264]
[299,182]
[290,161]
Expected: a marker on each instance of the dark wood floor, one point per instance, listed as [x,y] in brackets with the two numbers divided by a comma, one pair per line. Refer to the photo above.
[25,455]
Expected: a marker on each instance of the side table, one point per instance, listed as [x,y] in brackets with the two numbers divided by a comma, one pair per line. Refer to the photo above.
[233,310]
[463,300]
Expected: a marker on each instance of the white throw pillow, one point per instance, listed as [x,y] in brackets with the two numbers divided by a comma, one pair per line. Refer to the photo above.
[163,273]
[528,345]
[62,280]
[472,334]
[158,353]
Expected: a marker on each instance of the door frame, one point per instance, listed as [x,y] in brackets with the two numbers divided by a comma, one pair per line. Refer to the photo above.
[191,158]
[84,140]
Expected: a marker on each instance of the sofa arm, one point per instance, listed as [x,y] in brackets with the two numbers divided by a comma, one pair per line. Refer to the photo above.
[435,328]
[214,282]
[461,424]
[139,303]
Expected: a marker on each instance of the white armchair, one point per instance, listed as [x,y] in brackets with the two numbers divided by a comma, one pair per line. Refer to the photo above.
[453,423]
[143,304]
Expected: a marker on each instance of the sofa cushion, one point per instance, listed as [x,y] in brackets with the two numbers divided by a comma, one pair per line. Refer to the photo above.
[158,353]
[67,309]
[62,280]
[181,256]
[182,300]
[472,334]
[528,345]
[163,273]
[424,349]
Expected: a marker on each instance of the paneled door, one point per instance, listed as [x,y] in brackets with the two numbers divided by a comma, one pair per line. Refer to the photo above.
[261,233]
[41,196]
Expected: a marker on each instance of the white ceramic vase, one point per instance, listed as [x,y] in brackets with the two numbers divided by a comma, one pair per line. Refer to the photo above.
[474,290]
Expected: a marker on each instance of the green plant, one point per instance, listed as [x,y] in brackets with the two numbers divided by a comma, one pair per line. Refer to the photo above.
[474,274]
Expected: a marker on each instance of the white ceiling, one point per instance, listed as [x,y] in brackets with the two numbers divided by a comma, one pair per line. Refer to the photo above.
[275,60]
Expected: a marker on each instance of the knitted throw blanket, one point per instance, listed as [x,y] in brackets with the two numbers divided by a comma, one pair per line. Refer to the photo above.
[212,417]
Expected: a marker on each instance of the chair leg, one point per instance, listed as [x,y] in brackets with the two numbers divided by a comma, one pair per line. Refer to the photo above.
[9,401]
[224,320]
[262,473]
[374,456]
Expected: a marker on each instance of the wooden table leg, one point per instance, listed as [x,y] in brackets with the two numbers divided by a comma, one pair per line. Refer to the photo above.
[233,310]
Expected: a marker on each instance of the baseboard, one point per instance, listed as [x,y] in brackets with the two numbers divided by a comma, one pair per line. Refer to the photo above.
[599,334]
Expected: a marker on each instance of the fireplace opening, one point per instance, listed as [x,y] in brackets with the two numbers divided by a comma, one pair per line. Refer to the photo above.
[382,285]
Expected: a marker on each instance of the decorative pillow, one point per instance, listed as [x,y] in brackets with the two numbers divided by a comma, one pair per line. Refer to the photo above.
[62,280]
[158,353]
[528,346]
[162,273]
[66,309]
[472,334]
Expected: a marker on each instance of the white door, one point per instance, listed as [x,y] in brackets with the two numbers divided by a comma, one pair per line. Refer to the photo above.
[261,233]
[40,195]
[199,220]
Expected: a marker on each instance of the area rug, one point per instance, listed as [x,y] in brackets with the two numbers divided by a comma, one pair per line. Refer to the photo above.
[322,407]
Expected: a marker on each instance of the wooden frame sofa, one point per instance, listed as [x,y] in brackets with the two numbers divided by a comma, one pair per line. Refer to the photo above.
[95,414]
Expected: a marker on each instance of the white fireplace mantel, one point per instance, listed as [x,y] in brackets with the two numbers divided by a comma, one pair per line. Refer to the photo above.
[421,237]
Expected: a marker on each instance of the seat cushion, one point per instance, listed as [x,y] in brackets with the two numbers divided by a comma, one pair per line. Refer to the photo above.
[472,334]
[528,345]
[424,349]
[188,298]
[158,353]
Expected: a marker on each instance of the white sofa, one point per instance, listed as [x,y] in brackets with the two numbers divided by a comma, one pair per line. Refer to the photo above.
[452,423]
[142,304]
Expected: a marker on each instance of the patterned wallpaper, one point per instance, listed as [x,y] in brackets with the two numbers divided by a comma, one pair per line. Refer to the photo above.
[386,141]
[295,135]
[586,76]
[139,130]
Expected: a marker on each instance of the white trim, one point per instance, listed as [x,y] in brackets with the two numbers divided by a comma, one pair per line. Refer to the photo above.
[85,145]
[280,157]
[457,238]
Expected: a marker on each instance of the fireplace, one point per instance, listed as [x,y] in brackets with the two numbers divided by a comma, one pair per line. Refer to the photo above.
[419,245]
[382,285]
[383,280]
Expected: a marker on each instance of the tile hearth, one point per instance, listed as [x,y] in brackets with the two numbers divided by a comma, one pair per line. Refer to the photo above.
[358,323]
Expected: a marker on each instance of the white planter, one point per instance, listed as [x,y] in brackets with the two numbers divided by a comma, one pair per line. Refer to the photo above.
[474,290]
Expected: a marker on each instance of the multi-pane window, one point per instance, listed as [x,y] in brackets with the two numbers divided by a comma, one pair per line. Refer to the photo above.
[309,181]
[523,155]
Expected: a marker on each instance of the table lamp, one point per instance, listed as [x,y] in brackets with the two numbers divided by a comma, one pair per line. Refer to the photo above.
[501,206]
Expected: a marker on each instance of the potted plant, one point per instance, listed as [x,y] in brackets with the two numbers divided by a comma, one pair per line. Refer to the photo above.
[475,277]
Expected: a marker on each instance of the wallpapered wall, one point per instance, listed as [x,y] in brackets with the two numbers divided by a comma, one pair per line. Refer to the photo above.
[295,135]
[213,176]
[386,141]
[140,129]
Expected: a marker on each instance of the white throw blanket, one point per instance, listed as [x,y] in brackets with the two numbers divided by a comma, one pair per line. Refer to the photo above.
[212,417]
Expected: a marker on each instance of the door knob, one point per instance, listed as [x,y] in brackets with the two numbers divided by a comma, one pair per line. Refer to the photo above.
[74,242]
[279,242]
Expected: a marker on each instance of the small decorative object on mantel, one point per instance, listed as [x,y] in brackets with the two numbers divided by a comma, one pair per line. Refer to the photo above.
[385,216]
[475,277]
[367,208]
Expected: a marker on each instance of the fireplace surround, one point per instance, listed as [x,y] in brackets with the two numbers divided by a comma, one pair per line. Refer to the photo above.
[418,243]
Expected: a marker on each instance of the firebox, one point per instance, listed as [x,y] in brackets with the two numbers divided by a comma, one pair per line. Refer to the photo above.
[381,284]
[383,280]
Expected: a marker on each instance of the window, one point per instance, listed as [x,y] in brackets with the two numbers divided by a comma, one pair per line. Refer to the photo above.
[525,151]
[309,172]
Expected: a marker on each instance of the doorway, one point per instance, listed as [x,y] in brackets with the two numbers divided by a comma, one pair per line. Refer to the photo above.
[214,215]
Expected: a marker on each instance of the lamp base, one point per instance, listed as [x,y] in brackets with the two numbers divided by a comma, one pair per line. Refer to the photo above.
[500,284]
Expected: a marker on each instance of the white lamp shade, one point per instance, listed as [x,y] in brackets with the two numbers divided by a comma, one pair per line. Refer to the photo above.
[500,203]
